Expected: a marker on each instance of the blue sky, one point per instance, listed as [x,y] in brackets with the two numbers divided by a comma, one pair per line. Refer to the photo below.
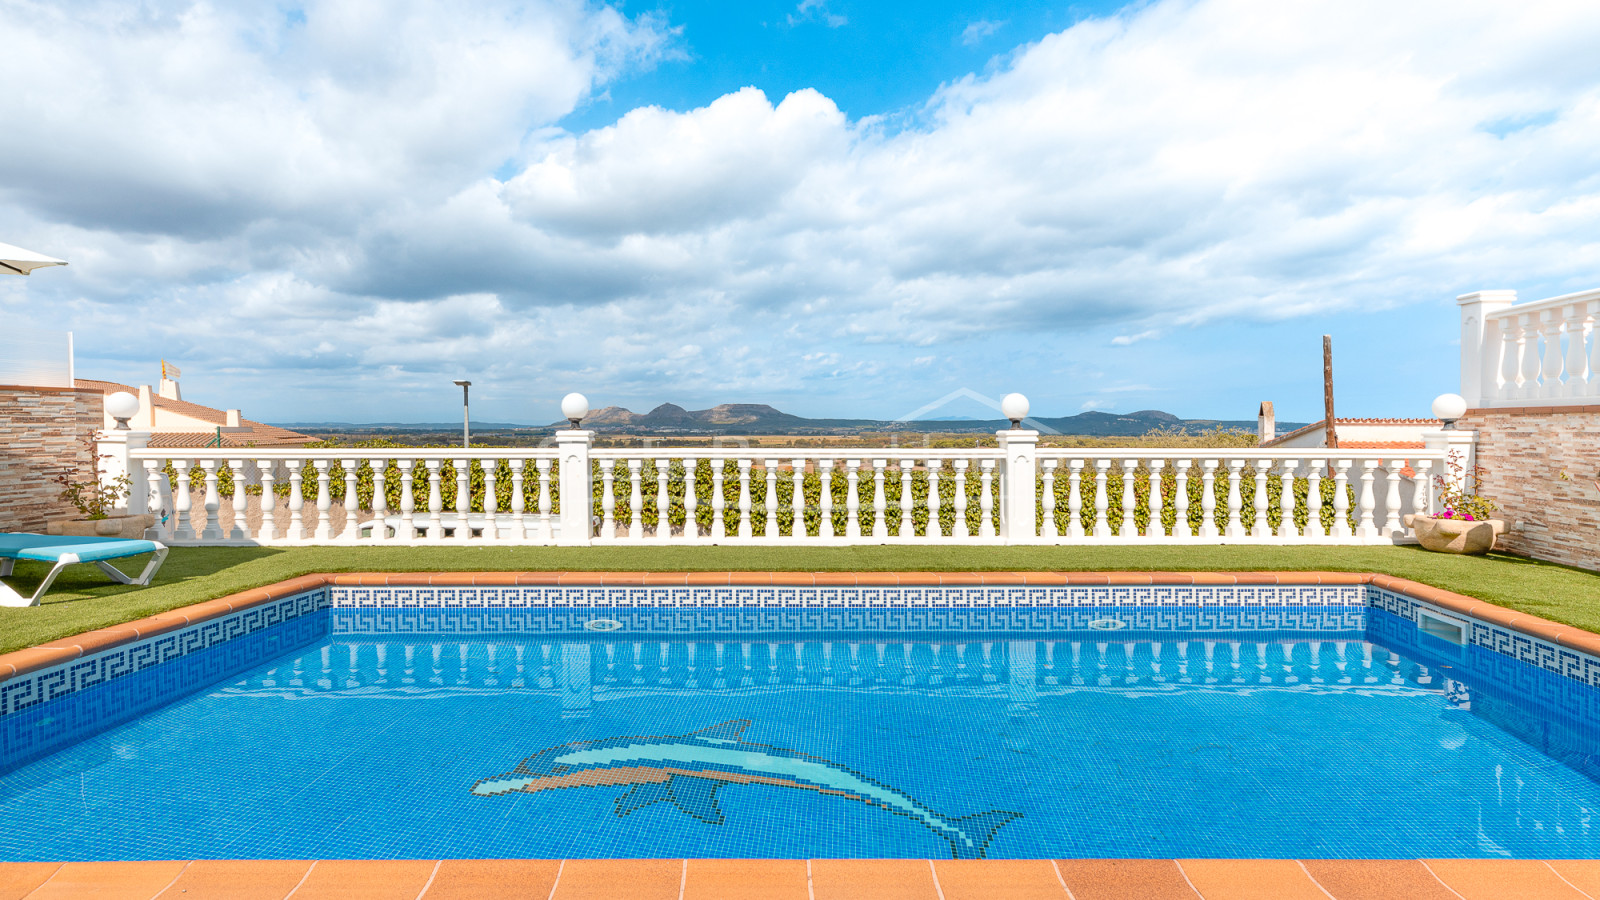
[329,211]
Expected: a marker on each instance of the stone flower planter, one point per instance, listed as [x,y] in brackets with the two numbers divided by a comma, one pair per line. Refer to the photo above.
[112,526]
[1456,535]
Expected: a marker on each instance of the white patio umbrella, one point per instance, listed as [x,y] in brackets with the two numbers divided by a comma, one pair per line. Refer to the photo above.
[17,261]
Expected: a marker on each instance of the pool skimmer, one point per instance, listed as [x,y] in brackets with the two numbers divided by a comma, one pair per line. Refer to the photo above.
[603,625]
[1107,624]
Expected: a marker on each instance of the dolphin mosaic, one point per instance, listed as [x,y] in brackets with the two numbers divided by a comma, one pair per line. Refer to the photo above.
[688,770]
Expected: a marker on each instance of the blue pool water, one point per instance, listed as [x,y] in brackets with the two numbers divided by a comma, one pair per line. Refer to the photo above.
[1352,736]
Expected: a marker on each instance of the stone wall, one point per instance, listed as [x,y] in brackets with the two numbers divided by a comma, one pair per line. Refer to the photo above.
[42,432]
[1541,464]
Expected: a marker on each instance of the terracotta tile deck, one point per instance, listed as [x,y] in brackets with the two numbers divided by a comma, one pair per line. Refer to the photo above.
[822,879]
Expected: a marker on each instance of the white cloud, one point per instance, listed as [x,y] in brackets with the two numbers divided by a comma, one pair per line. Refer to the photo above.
[975,33]
[265,194]
[1095,404]
[816,11]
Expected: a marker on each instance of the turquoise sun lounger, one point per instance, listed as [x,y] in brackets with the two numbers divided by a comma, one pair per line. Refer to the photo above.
[64,550]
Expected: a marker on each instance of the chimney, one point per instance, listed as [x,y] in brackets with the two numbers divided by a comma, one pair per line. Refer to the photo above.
[1266,423]
[233,419]
[147,407]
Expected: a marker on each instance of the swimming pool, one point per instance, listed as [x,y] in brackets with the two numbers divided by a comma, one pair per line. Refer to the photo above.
[455,723]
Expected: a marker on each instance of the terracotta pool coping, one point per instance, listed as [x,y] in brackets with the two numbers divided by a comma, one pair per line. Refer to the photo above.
[796,879]
[64,650]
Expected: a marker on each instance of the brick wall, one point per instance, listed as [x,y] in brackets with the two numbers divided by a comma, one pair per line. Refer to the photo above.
[41,436]
[1523,453]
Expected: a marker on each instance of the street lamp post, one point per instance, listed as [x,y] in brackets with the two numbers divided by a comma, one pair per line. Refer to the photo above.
[464,386]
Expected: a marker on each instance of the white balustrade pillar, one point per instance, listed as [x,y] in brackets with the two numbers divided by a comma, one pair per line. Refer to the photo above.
[935,527]
[408,502]
[1019,489]
[1577,364]
[608,499]
[321,530]
[516,526]
[1366,500]
[1422,487]
[213,526]
[380,500]
[1261,528]
[986,500]
[852,498]
[719,501]
[880,524]
[908,528]
[269,501]
[1075,498]
[435,499]
[1341,497]
[1314,527]
[491,500]
[113,449]
[237,503]
[825,471]
[1550,366]
[1157,528]
[1510,375]
[1594,349]
[636,498]
[1102,521]
[463,469]
[797,499]
[1392,527]
[1480,344]
[153,476]
[1047,527]
[691,499]
[1235,499]
[183,503]
[746,506]
[1286,525]
[1208,499]
[1530,356]
[577,487]
[663,500]
[297,500]
[771,468]
[548,526]
[1180,492]
[961,529]
[1130,500]
[352,500]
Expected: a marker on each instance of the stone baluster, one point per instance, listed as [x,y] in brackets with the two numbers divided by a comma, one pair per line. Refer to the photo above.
[321,526]
[435,500]
[152,481]
[237,503]
[463,469]
[935,527]
[1236,528]
[797,499]
[491,500]
[516,528]
[1594,349]
[1286,526]
[1550,367]
[546,509]
[986,526]
[183,503]
[825,471]
[663,500]
[1047,526]
[636,498]
[691,499]
[1510,357]
[1577,365]
[608,499]
[1075,498]
[407,531]
[719,529]
[908,525]
[1421,487]
[1530,356]
[269,501]
[1130,500]
[961,530]
[880,509]
[1180,496]
[213,503]
[1392,526]
[852,498]
[1102,521]
[1341,498]
[771,467]
[1208,498]
[297,500]
[1366,500]
[1314,527]
[1262,526]
[1157,528]
[746,506]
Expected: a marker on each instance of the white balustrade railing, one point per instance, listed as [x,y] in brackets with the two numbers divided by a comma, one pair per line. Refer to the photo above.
[1545,353]
[1015,493]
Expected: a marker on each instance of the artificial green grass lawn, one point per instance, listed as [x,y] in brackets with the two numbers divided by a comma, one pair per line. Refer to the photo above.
[83,599]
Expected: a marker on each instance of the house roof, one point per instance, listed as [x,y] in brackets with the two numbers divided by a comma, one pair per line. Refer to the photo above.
[1361,445]
[255,434]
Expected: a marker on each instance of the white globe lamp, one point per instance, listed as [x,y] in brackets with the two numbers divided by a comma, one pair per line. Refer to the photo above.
[122,406]
[575,406]
[1015,408]
[1448,408]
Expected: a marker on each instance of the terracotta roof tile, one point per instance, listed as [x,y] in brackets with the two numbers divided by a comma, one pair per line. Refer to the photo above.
[1317,426]
[260,434]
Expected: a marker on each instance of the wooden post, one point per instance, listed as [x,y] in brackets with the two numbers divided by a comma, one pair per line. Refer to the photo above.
[1330,434]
